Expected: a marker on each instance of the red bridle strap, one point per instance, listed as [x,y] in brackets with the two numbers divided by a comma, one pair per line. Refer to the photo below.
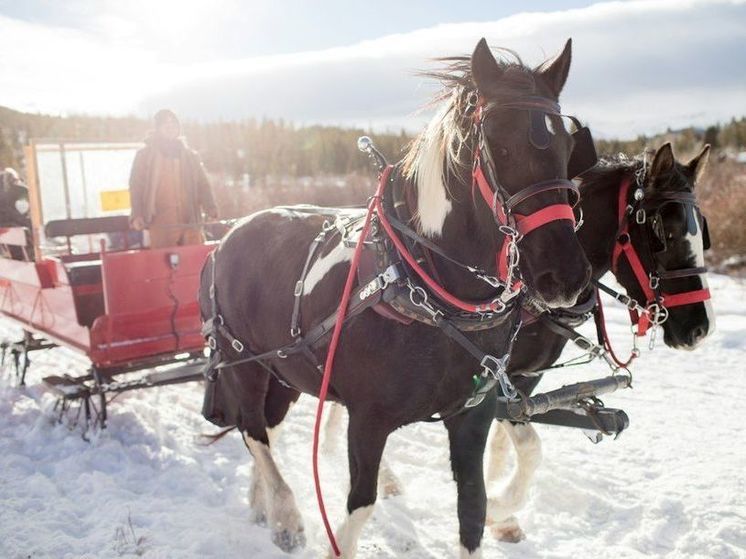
[555,212]
[686,298]
[623,246]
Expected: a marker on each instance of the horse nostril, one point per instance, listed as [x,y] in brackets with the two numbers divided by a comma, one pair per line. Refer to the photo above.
[697,334]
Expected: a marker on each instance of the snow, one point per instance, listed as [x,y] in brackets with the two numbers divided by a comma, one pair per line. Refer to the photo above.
[673,485]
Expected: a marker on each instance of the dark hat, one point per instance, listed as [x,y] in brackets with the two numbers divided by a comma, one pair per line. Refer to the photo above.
[164,115]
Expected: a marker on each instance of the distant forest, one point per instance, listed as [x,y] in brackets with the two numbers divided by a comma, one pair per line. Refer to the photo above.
[273,148]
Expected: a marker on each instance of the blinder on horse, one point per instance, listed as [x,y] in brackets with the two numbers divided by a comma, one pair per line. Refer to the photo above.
[647,213]
[583,156]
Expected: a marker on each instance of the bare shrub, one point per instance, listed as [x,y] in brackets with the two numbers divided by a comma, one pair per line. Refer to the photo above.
[350,190]
[722,196]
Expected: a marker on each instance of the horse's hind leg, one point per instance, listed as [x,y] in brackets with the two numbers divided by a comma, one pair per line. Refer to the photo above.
[528,457]
[366,440]
[499,445]
[271,496]
[276,405]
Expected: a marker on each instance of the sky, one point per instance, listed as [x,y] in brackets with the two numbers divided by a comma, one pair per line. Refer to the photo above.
[639,66]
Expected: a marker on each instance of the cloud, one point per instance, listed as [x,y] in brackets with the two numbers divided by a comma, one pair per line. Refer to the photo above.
[638,66]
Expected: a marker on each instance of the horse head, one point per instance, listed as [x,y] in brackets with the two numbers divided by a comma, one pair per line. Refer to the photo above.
[672,233]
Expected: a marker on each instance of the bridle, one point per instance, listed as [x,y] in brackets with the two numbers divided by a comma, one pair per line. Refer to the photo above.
[657,301]
[514,225]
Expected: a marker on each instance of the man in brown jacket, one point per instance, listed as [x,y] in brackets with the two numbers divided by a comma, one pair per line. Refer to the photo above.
[169,187]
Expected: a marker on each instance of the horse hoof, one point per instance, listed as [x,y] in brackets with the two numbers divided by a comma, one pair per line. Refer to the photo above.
[391,489]
[509,533]
[258,517]
[289,541]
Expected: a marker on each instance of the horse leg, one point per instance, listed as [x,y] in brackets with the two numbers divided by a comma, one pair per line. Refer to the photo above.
[498,458]
[527,446]
[277,403]
[366,441]
[332,427]
[388,482]
[273,497]
[467,433]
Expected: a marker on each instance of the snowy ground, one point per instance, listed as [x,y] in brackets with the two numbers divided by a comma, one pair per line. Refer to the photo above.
[673,485]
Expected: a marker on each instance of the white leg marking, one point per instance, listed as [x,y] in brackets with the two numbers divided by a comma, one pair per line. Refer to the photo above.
[349,532]
[283,517]
[498,457]
[333,427]
[528,457]
[466,554]
[257,501]
[388,483]
[321,267]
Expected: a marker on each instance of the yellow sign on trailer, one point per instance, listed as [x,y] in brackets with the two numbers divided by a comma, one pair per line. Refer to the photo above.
[115,200]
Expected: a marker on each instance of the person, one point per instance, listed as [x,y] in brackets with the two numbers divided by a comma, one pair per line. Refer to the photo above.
[169,189]
[14,205]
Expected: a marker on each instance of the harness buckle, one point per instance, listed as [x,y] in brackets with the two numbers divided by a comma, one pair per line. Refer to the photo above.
[580,221]
[295,331]
[418,291]
[496,367]
[381,281]
[298,291]
[586,345]
[654,281]
[211,343]
[640,216]
[237,346]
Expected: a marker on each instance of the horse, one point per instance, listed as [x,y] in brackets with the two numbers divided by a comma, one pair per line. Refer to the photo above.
[670,242]
[496,144]
[677,236]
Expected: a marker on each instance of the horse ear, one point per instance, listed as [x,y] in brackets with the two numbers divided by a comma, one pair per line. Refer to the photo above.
[698,164]
[555,71]
[484,68]
[663,162]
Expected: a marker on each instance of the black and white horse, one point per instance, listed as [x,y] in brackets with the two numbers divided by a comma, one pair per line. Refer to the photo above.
[389,374]
[670,244]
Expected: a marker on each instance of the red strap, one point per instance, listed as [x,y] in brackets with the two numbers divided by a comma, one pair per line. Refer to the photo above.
[433,285]
[488,194]
[527,223]
[686,298]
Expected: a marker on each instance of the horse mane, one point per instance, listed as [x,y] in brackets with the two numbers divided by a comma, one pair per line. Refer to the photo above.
[446,144]
[616,165]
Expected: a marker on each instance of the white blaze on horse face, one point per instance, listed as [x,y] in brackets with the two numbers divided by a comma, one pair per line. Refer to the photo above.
[697,252]
[433,205]
[349,533]
[323,265]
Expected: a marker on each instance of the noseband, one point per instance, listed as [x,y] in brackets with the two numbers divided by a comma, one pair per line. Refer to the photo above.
[503,204]
[657,301]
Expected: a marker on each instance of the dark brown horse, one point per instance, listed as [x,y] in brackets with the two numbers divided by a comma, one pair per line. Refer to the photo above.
[389,373]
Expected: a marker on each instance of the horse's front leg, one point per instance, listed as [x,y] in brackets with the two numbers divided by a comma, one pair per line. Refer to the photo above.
[366,441]
[467,433]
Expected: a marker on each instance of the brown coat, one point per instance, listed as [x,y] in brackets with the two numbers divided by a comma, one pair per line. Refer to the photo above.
[145,177]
